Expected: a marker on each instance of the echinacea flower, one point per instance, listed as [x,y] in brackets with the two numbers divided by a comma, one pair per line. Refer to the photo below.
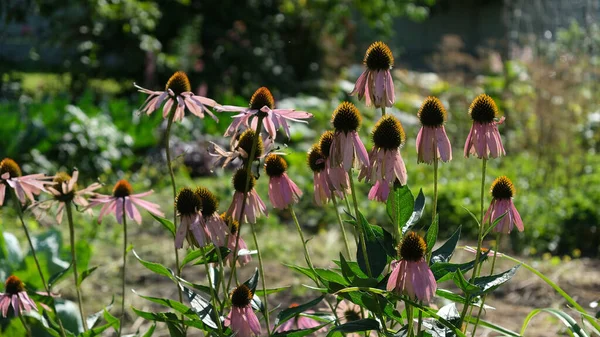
[387,164]
[411,275]
[484,139]
[215,226]
[432,141]
[234,239]
[375,83]
[188,205]
[262,104]
[347,149]
[337,177]
[24,186]
[316,161]
[346,312]
[122,200]
[65,190]
[177,91]
[15,296]
[241,147]
[254,204]
[503,192]
[241,319]
[282,190]
[299,322]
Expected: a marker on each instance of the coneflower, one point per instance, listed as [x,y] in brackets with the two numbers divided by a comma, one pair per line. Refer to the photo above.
[254,204]
[375,83]
[484,139]
[347,150]
[25,186]
[241,319]
[282,190]
[503,192]
[432,141]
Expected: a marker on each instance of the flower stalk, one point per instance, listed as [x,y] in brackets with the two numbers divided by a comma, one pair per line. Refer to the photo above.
[339,218]
[123,269]
[74,263]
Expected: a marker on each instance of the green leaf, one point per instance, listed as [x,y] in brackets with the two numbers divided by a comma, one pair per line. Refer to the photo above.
[443,271]
[447,294]
[567,320]
[467,287]
[432,233]
[156,268]
[494,224]
[400,205]
[156,316]
[112,320]
[57,277]
[487,284]
[377,254]
[166,223]
[175,330]
[202,308]
[150,331]
[177,306]
[300,333]
[210,252]
[419,207]
[85,274]
[288,313]
[492,326]
[92,319]
[10,250]
[252,282]
[270,291]
[448,313]
[356,326]
[201,287]
[444,253]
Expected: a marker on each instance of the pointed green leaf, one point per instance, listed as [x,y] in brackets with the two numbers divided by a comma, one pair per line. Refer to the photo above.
[92,319]
[150,331]
[85,274]
[432,233]
[166,223]
[460,281]
[201,307]
[288,313]
[400,205]
[567,320]
[366,324]
[57,277]
[487,284]
[419,207]
[154,267]
[177,306]
[300,333]
[444,253]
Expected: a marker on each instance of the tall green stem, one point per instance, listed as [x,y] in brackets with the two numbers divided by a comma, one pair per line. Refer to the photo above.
[37,263]
[497,244]
[360,229]
[174,186]
[409,311]
[74,262]
[306,253]
[435,186]
[339,218]
[212,287]
[27,329]
[262,276]
[123,269]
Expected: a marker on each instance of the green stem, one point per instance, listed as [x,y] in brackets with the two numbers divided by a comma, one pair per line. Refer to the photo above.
[306,253]
[37,263]
[420,322]
[409,311]
[491,273]
[123,269]
[174,186]
[339,218]
[435,187]
[363,243]
[27,329]
[262,276]
[74,262]
[212,290]
[245,198]
[558,289]
[383,111]
[479,240]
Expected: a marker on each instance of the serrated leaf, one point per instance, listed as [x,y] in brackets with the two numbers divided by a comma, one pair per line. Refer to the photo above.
[288,313]
[166,223]
[154,267]
[366,324]
[445,252]
[85,274]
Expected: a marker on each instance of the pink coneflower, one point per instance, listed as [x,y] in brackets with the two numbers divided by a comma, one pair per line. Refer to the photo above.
[215,226]
[432,141]
[387,164]
[347,149]
[15,296]
[122,195]
[241,146]
[262,104]
[375,83]
[241,319]
[503,191]
[24,186]
[234,228]
[316,161]
[336,176]
[484,139]
[65,190]
[282,190]
[177,91]
[299,322]
[346,312]
[411,275]
[254,204]
[188,205]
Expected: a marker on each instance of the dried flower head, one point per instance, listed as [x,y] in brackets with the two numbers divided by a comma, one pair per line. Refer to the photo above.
[10,166]
[275,165]
[209,201]
[239,181]
[187,202]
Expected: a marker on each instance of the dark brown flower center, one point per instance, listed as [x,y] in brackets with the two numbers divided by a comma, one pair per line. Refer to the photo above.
[13,285]
[231,223]
[241,296]
[239,181]
[187,202]
[346,117]
[10,166]
[209,201]
[122,189]
[179,83]
[413,247]
[325,143]
[351,315]
[379,57]
[59,179]
[388,133]
[275,165]
[483,109]
[502,188]
[432,112]
[262,97]
[316,159]
[247,141]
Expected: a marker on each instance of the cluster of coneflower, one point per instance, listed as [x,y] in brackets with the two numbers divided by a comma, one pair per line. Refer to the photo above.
[334,160]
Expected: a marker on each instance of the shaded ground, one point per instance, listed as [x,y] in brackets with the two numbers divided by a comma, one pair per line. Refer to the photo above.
[580,278]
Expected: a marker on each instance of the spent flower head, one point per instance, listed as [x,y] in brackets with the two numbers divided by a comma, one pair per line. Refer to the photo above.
[484,138]
[432,141]
[16,297]
[375,83]
[25,187]
[502,205]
